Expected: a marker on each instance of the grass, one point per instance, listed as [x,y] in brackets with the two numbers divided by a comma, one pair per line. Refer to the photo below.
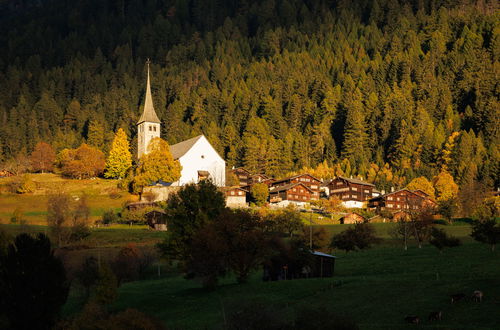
[376,287]
[101,195]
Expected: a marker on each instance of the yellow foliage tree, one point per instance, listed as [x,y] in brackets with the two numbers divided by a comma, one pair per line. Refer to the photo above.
[120,158]
[445,186]
[421,183]
[157,164]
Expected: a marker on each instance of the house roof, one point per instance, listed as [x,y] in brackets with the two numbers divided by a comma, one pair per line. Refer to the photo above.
[357,181]
[287,187]
[180,149]
[161,183]
[240,169]
[149,114]
[394,192]
[232,188]
[296,176]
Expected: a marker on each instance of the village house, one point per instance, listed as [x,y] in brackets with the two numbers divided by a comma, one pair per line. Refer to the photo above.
[243,176]
[313,184]
[402,200]
[351,218]
[235,196]
[353,193]
[292,193]
[199,160]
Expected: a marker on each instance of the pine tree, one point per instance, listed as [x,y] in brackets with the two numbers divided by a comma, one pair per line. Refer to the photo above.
[120,158]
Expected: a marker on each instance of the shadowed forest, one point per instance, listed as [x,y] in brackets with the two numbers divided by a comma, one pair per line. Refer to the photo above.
[275,85]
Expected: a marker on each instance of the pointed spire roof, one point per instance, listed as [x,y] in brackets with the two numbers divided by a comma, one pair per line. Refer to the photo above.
[149,113]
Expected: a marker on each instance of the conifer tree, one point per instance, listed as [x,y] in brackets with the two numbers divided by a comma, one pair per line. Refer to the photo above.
[120,158]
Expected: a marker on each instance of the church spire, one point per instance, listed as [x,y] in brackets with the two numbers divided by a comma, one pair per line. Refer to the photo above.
[149,114]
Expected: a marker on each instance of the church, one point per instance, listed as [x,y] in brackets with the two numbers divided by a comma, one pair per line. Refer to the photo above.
[199,160]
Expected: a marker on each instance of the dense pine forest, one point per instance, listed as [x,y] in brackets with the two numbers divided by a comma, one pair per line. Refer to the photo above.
[411,87]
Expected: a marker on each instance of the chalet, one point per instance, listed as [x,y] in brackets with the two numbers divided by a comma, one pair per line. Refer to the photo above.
[312,183]
[243,175]
[199,160]
[403,199]
[352,192]
[352,217]
[292,192]
[260,178]
[235,196]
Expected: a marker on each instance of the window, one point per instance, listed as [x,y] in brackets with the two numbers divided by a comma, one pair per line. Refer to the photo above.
[354,196]
[339,183]
[397,199]
[240,193]
[354,189]
[389,198]
[314,187]
[294,190]
[399,206]
[367,191]
[303,197]
[154,128]
[389,205]
[150,128]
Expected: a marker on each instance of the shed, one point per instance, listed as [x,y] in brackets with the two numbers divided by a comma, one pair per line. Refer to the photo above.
[324,264]
[156,220]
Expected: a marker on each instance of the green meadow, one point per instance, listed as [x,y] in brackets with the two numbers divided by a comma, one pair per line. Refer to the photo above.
[376,287]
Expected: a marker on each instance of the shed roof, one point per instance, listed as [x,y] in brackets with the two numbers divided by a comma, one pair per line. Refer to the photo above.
[321,254]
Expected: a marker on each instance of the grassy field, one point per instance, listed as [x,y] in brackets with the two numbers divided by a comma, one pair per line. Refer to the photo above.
[102,195]
[376,287]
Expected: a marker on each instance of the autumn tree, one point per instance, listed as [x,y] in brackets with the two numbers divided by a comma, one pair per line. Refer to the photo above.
[81,163]
[260,193]
[157,164]
[487,232]
[43,157]
[421,183]
[445,186]
[120,158]
[360,236]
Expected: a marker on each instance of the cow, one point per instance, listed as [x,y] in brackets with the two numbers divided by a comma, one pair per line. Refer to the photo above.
[477,296]
[457,297]
[435,316]
[412,319]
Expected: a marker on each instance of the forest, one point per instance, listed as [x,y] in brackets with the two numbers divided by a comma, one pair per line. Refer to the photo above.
[276,85]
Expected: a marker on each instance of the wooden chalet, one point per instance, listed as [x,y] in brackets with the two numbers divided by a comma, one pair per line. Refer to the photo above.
[352,217]
[352,192]
[312,183]
[235,196]
[293,192]
[260,178]
[400,200]
[243,175]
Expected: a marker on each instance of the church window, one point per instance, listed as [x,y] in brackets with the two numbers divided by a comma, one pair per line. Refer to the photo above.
[154,128]
[150,128]
[202,156]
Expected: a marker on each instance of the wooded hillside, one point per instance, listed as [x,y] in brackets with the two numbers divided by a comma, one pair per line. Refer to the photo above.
[275,85]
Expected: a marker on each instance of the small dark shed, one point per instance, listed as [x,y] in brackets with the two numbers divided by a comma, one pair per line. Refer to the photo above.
[156,220]
[324,264]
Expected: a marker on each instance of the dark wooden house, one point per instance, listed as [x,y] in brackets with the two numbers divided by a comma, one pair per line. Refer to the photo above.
[312,183]
[402,200]
[235,196]
[157,220]
[293,192]
[352,192]
[243,175]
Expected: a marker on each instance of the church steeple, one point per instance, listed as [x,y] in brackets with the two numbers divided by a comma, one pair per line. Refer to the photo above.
[148,126]
[149,113]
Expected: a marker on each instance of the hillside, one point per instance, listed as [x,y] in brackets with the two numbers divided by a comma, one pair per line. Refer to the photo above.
[275,85]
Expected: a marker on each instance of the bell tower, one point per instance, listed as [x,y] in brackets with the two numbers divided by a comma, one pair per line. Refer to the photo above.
[148,126]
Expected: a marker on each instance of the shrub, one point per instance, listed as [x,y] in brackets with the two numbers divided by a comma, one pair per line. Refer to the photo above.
[361,236]
[109,217]
[26,185]
[440,239]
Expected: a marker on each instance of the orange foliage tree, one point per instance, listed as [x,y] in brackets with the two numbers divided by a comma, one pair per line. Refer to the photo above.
[43,157]
[83,162]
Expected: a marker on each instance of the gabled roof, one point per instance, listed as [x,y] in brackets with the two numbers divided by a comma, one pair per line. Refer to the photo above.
[395,192]
[149,114]
[225,189]
[180,149]
[357,181]
[288,187]
[240,169]
[296,176]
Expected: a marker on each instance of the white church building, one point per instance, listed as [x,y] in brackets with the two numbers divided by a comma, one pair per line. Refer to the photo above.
[199,160]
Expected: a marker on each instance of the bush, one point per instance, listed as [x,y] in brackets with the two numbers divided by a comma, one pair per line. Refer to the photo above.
[361,236]
[440,239]
[109,217]
[26,185]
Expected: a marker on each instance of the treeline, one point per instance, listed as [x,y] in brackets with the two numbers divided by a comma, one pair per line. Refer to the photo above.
[275,85]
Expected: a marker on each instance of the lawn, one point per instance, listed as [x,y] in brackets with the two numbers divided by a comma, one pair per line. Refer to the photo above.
[101,195]
[376,287]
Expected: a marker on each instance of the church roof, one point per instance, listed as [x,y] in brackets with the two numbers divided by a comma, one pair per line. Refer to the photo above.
[180,149]
[149,114]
